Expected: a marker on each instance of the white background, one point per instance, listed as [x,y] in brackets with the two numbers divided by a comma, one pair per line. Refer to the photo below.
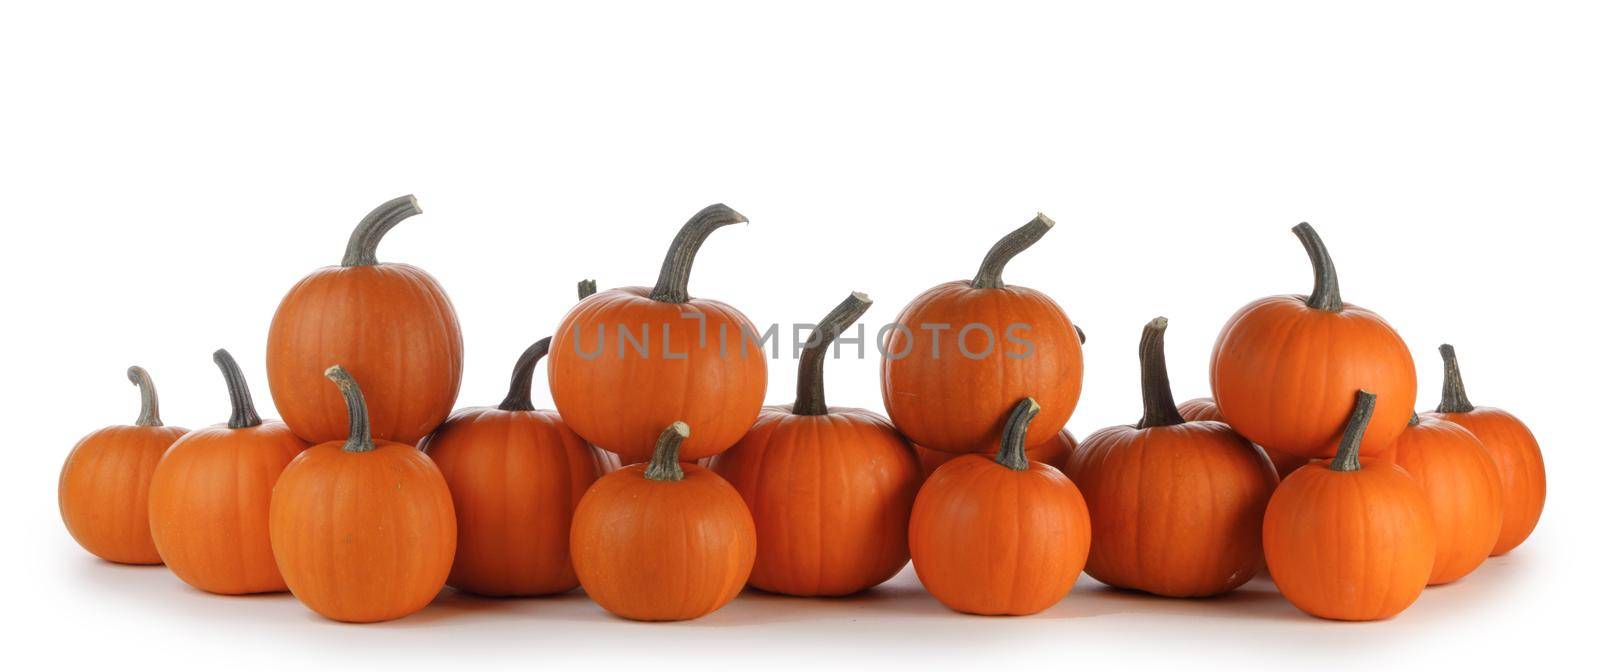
[168,171]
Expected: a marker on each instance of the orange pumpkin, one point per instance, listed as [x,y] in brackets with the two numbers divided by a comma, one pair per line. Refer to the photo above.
[210,495]
[362,529]
[1510,444]
[1204,409]
[665,541]
[1347,542]
[1054,452]
[964,353]
[390,325]
[515,475]
[104,492]
[1177,505]
[1463,490]
[627,362]
[1284,368]
[1003,535]
[830,489]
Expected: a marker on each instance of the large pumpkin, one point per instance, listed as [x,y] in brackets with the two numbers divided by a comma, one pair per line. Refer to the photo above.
[1205,409]
[830,488]
[210,496]
[626,362]
[963,354]
[1463,490]
[389,324]
[1285,367]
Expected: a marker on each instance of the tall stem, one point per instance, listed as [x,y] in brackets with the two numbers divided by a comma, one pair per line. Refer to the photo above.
[520,398]
[1325,294]
[149,405]
[1013,441]
[244,408]
[994,263]
[586,289]
[664,464]
[1454,399]
[1159,408]
[362,250]
[673,284]
[360,440]
[809,398]
[1349,456]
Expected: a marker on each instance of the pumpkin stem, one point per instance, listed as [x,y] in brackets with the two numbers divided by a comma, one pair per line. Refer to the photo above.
[244,408]
[1013,441]
[362,250]
[586,289]
[1325,294]
[673,285]
[1082,337]
[149,405]
[809,398]
[520,398]
[1414,421]
[1349,456]
[994,263]
[360,440]
[664,464]
[1454,399]
[1159,408]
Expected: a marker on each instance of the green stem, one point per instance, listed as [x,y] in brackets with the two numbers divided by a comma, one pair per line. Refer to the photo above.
[586,289]
[994,263]
[520,398]
[360,440]
[1349,456]
[149,405]
[1325,294]
[664,464]
[244,408]
[362,250]
[1454,399]
[809,397]
[1013,441]
[1159,408]
[673,284]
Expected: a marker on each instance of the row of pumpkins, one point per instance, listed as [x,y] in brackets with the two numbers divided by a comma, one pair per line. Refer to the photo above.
[973,477]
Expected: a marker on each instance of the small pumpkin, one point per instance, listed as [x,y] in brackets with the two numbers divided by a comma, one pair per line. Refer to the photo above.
[104,491]
[1350,542]
[665,541]
[951,390]
[210,495]
[1177,505]
[1002,535]
[626,362]
[1284,367]
[830,488]
[1463,490]
[515,475]
[1054,452]
[362,529]
[389,324]
[1510,444]
[1204,409]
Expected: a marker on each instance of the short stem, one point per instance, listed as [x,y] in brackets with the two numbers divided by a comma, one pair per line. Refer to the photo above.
[586,289]
[1325,294]
[1349,456]
[673,284]
[1414,421]
[994,263]
[1013,441]
[809,397]
[362,250]
[1454,399]
[244,408]
[520,398]
[1159,408]
[149,405]
[1082,337]
[360,440]
[664,464]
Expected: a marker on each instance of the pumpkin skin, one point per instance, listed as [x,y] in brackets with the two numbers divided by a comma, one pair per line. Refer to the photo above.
[104,490]
[363,529]
[390,325]
[1317,351]
[999,538]
[1204,409]
[944,400]
[1055,453]
[665,541]
[1463,491]
[210,495]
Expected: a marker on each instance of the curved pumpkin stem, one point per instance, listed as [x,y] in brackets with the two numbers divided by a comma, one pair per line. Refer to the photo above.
[1454,399]
[809,398]
[1159,408]
[586,289]
[1325,294]
[664,464]
[1349,456]
[1082,337]
[520,398]
[149,404]
[1013,441]
[673,284]
[362,250]
[360,440]
[994,263]
[244,408]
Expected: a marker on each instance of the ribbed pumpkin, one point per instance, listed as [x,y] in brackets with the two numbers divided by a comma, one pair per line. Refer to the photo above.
[956,365]
[1463,490]
[210,495]
[1054,452]
[1177,505]
[830,489]
[104,492]
[1204,409]
[515,474]
[1285,367]
[1510,444]
[626,362]
[389,324]
[362,529]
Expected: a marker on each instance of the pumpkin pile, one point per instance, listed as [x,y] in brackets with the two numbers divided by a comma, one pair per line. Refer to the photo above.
[662,486]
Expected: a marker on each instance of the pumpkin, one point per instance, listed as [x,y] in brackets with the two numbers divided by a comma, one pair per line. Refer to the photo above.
[627,362]
[665,541]
[1002,535]
[104,492]
[515,475]
[1510,444]
[963,353]
[1463,490]
[1054,452]
[389,324]
[210,495]
[1203,408]
[362,529]
[1177,505]
[830,488]
[1347,542]
[1284,367]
